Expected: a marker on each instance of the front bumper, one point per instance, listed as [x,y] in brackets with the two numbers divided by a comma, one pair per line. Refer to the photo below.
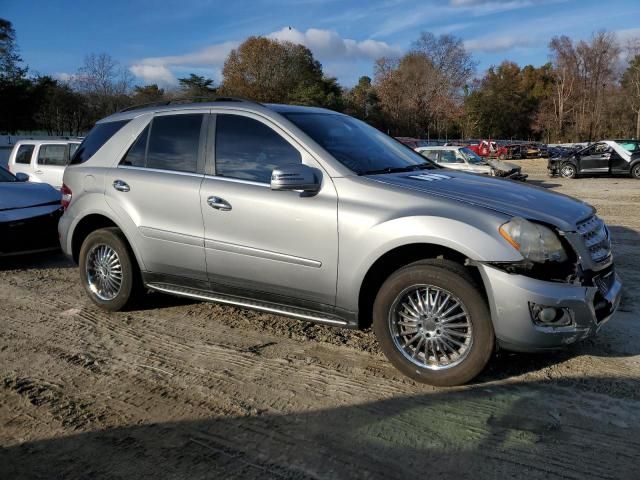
[511,295]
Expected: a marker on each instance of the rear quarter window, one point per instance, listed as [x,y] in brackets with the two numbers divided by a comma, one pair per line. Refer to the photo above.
[24,153]
[97,137]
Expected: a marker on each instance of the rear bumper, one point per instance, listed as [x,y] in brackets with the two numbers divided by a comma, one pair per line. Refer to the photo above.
[511,297]
[29,229]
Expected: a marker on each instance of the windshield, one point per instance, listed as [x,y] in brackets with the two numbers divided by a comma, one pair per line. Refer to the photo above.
[630,146]
[358,146]
[6,176]
[472,157]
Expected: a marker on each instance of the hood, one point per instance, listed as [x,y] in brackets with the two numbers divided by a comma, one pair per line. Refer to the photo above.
[503,166]
[505,196]
[15,195]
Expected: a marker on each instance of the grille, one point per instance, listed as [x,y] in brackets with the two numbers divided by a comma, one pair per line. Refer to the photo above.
[596,238]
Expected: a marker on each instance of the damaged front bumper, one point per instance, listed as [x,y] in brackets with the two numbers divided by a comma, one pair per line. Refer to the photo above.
[512,298]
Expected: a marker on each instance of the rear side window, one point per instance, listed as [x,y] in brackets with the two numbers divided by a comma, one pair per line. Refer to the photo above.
[52,155]
[430,154]
[24,154]
[98,136]
[174,142]
[250,150]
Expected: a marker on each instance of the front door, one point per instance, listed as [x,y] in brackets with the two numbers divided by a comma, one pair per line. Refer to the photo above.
[595,158]
[275,244]
[156,190]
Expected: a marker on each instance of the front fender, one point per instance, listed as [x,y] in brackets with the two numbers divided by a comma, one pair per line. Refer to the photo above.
[358,255]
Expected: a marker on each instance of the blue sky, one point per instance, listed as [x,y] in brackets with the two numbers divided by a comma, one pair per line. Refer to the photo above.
[159,41]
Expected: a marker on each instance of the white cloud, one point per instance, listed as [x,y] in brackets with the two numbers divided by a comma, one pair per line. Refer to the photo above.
[498,44]
[63,76]
[326,45]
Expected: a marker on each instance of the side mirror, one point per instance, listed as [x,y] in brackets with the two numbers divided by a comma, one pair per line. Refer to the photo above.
[295,177]
[22,177]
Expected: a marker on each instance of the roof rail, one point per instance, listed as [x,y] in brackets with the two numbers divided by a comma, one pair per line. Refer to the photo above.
[179,101]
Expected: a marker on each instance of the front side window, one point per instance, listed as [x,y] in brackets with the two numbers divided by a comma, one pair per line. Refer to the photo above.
[6,176]
[430,154]
[249,150]
[55,155]
[24,154]
[72,149]
[97,137]
[472,157]
[174,142]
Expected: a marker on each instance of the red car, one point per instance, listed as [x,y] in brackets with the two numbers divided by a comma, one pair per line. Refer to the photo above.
[489,148]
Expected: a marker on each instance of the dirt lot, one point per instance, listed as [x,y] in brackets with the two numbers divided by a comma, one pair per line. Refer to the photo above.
[180,389]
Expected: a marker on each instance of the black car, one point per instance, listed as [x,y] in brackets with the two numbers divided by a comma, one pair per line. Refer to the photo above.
[29,214]
[605,157]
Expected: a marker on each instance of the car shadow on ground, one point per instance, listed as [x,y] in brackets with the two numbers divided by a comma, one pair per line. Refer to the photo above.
[36,261]
[543,183]
[530,430]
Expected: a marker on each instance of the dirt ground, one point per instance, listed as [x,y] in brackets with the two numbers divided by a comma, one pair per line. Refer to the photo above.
[180,389]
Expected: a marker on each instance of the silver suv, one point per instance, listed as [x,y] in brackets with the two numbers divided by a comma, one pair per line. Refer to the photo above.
[313,214]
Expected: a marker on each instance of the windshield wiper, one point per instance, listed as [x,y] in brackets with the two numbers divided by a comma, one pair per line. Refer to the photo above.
[408,168]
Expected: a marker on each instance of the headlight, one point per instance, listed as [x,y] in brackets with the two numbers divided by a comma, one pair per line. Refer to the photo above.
[535,242]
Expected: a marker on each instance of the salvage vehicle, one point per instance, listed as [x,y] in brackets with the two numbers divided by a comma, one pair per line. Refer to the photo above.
[312,214]
[29,214]
[43,160]
[489,148]
[608,157]
[464,159]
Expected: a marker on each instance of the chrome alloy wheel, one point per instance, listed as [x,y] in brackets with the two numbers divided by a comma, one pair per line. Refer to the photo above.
[431,327]
[567,171]
[104,272]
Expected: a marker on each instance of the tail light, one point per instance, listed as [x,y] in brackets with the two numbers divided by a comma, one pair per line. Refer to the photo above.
[66,196]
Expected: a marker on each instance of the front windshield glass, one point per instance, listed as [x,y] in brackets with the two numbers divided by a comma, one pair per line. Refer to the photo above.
[358,146]
[6,176]
[472,157]
[630,146]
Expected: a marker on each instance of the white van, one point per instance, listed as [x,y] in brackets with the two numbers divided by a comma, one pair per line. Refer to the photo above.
[43,160]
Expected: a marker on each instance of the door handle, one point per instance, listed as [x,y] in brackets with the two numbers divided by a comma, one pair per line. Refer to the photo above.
[121,186]
[38,172]
[219,203]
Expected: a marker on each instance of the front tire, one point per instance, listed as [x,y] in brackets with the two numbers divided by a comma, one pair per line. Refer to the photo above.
[108,271]
[635,171]
[433,324]
[568,170]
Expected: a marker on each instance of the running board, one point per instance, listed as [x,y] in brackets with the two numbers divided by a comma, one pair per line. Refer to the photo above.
[248,303]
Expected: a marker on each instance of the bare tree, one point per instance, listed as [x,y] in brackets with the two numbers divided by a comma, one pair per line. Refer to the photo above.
[631,79]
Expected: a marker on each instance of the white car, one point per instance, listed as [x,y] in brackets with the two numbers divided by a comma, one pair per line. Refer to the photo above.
[457,158]
[43,160]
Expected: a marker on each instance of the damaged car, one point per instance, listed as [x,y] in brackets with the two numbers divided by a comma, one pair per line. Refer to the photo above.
[466,160]
[608,157]
[29,214]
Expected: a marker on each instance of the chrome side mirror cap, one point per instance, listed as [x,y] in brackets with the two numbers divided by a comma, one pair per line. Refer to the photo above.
[295,177]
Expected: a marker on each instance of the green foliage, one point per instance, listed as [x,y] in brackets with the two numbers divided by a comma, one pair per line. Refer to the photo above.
[196,86]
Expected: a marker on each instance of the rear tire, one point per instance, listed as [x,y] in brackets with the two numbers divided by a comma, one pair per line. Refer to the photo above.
[452,344]
[108,269]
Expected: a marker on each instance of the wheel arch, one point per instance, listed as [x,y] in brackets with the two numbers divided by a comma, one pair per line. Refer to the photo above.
[92,222]
[402,256]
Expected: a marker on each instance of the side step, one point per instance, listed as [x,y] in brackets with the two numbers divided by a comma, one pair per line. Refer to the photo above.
[278,309]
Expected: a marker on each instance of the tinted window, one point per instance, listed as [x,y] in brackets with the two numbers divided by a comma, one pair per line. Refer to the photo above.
[6,176]
[52,155]
[97,137]
[250,150]
[72,149]
[174,142]
[24,154]
[358,146]
[135,156]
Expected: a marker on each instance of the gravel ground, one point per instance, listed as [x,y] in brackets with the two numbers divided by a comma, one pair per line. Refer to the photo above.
[179,389]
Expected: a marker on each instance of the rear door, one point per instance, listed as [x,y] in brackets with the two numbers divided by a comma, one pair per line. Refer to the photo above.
[157,187]
[277,244]
[51,162]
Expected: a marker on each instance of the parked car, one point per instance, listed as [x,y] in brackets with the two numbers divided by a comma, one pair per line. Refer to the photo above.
[29,214]
[489,148]
[43,160]
[312,214]
[606,157]
[464,159]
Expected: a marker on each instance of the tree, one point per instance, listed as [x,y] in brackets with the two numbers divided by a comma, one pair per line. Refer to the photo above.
[15,88]
[268,70]
[60,110]
[197,86]
[362,101]
[631,85]
[147,94]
